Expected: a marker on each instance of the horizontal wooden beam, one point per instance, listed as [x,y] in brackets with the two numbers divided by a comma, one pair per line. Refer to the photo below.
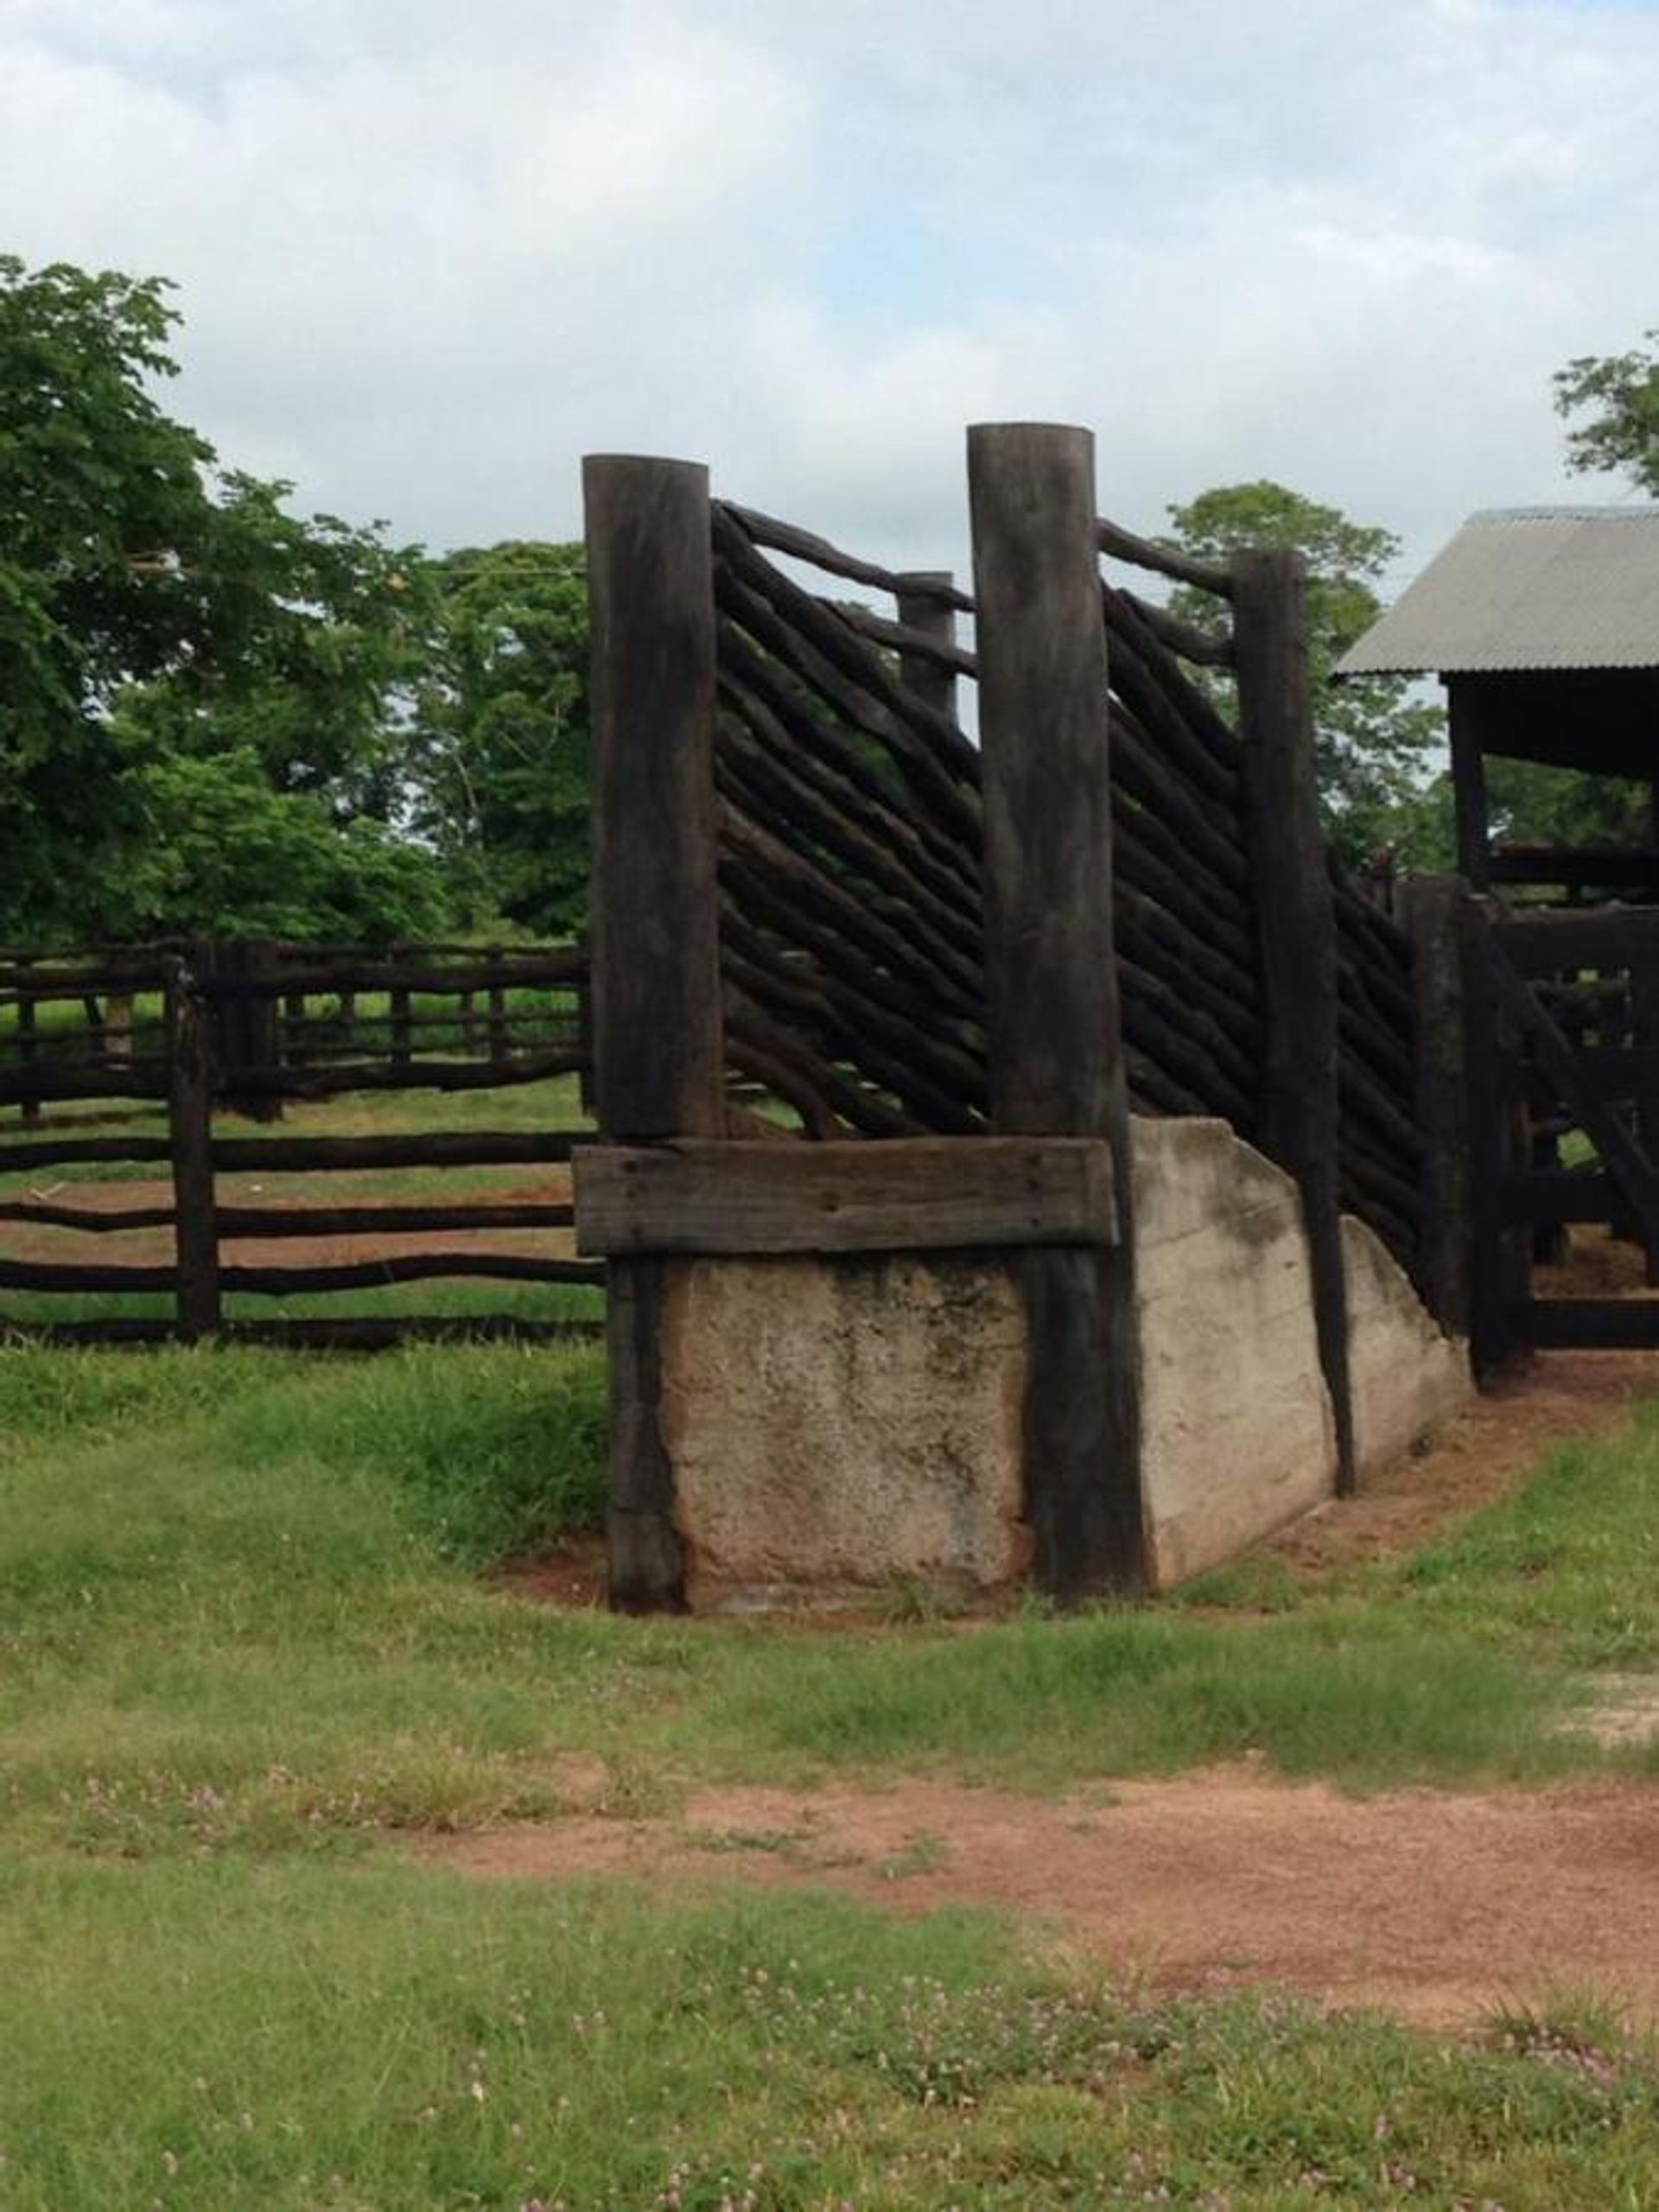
[1589,1323]
[905,1194]
[1539,944]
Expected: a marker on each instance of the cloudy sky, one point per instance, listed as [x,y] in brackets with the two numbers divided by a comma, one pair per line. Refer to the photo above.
[429,251]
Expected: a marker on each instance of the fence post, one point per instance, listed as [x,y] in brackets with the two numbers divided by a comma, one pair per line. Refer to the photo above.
[27,1040]
[501,1043]
[1431,913]
[1500,1251]
[1296,927]
[1053,1026]
[920,608]
[400,1032]
[658,1044]
[190,1133]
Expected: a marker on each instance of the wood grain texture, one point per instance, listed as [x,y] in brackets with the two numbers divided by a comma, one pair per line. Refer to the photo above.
[195,1279]
[909,1194]
[1053,1018]
[655,981]
[1299,1122]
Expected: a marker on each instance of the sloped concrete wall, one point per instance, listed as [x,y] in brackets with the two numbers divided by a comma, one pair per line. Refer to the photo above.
[1237,1436]
[1407,1379]
[842,1427]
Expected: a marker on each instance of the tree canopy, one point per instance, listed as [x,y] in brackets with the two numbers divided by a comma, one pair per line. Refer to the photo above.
[185,665]
[1617,394]
[1375,744]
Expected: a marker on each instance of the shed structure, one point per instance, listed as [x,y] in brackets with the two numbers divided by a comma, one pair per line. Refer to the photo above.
[1543,624]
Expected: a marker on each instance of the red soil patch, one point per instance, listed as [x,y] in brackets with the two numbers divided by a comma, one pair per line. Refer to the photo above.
[1434,1906]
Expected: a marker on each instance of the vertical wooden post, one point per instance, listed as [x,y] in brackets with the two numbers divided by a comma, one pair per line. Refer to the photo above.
[400,1035]
[922,609]
[658,1041]
[1430,911]
[1644,1037]
[501,1042]
[1499,1250]
[1468,785]
[190,1133]
[27,1040]
[1055,1047]
[1296,934]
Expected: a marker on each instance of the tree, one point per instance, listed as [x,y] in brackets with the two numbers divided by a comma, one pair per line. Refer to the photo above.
[1620,392]
[498,743]
[155,612]
[1374,745]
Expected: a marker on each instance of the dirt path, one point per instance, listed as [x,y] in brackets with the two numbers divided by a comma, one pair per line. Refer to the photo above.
[1436,1907]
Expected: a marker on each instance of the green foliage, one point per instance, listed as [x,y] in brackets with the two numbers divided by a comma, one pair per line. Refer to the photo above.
[1374,743]
[1620,393]
[498,745]
[180,658]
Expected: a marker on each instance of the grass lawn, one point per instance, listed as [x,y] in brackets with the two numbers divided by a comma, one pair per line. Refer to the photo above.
[245,1649]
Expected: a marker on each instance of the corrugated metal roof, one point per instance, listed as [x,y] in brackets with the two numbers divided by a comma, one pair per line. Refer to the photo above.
[1526,588]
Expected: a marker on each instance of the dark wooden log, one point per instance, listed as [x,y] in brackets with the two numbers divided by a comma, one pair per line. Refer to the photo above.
[1055,1045]
[1499,1268]
[1149,679]
[1218,944]
[928,1194]
[192,1078]
[419,1075]
[786,806]
[1212,841]
[1149,934]
[1163,1026]
[1469,787]
[1431,908]
[1121,545]
[659,1047]
[1299,1117]
[49,1081]
[822,754]
[1599,1324]
[560,971]
[246,1035]
[26,1042]
[356,1220]
[921,648]
[819,553]
[827,913]
[846,670]
[1209,648]
[655,926]
[929,656]
[764,1040]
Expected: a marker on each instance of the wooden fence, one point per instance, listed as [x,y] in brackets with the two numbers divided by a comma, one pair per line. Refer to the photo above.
[155,1034]
[1121,891]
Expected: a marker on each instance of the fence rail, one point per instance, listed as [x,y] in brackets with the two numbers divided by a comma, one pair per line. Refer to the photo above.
[212,1018]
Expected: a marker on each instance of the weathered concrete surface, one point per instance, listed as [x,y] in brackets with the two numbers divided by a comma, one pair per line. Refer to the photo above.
[1407,1379]
[1238,1437]
[841,1426]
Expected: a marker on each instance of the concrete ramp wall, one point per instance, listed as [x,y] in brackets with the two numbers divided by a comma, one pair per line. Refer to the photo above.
[844,1425]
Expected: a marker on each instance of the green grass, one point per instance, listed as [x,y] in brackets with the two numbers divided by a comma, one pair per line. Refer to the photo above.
[246,1656]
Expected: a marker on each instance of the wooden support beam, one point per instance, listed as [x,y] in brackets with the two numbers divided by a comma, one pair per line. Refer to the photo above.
[1499,1261]
[1468,785]
[1430,909]
[923,606]
[190,1131]
[1299,1124]
[1053,1019]
[658,1046]
[909,1194]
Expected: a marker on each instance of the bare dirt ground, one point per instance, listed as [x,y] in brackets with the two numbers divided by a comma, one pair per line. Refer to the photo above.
[1439,1908]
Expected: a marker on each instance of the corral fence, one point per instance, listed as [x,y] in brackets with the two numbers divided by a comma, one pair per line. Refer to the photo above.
[1119,898]
[147,1043]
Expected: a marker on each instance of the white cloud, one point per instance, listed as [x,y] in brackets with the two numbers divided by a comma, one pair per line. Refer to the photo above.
[430,255]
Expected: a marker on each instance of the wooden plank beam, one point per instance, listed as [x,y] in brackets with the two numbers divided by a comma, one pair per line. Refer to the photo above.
[909,1194]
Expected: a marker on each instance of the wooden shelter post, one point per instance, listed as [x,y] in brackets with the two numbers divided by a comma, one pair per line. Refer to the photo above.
[1430,909]
[1468,786]
[1053,1025]
[1290,874]
[658,1037]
